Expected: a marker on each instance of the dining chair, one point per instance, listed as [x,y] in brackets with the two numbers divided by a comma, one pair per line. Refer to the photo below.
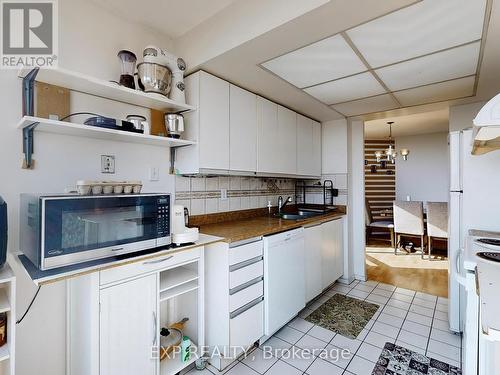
[379,224]
[409,221]
[437,222]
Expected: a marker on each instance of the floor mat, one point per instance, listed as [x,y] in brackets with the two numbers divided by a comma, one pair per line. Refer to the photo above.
[342,314]
[398,360]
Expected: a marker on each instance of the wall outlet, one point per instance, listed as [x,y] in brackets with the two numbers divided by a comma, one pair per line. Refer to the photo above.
[107,164]
[154,174]
[223,194]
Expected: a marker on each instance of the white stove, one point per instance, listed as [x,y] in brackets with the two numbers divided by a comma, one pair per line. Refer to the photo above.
[481,242]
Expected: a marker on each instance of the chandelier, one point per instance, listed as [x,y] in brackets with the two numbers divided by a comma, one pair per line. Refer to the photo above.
[390,153]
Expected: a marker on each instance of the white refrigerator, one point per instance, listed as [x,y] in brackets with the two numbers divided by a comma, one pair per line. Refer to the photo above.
[474,204]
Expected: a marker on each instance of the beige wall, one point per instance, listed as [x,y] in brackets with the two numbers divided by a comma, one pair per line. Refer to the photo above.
[425,175]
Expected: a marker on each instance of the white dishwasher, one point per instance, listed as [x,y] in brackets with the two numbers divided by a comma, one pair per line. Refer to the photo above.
[284,278]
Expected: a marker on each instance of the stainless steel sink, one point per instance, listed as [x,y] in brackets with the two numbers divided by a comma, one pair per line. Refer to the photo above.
[299,215]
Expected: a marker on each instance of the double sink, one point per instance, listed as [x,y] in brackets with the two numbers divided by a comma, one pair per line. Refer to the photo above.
[302,213]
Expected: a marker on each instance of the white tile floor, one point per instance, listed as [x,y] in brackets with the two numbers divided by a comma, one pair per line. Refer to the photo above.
[411,319]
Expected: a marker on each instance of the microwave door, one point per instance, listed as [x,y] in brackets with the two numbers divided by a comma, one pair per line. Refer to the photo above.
[94,228]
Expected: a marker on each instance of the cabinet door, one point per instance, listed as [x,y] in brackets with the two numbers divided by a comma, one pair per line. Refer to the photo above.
[268,135]
[243,130]
[129,327]
[316,149]
[328,244]
[339,248]
[287,140]
[304,146]
[214,122]
[313,264]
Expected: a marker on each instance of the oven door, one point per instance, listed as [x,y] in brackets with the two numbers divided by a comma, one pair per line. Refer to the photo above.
[79,229]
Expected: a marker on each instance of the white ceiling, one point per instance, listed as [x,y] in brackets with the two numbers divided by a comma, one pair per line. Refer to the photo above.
[424,49]
[331,58]
[170,17]
[421,123]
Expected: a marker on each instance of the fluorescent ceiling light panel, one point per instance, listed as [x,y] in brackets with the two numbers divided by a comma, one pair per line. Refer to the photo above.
[442,66]
[422,28]
[369,105]
[322,61]
[457,88]
[345,89]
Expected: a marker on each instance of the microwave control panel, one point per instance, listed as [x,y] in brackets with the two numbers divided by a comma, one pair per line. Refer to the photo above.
[163,217]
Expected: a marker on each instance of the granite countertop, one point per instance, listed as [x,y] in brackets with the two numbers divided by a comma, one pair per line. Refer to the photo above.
[243,229]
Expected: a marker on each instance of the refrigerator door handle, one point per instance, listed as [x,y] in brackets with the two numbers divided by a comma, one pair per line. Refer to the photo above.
[458,260]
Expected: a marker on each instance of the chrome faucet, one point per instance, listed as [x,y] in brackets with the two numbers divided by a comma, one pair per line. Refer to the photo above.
[282,205]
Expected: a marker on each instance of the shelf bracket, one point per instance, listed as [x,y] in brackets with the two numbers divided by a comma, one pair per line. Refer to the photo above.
[28,145]
[172,157]
[29,92]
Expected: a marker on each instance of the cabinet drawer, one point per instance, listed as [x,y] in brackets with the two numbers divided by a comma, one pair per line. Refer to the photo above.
[247,327]
[245,274]
[150,265]
[246,295]
[242,253]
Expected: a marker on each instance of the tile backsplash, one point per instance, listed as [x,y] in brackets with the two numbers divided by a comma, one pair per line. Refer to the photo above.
[202,195]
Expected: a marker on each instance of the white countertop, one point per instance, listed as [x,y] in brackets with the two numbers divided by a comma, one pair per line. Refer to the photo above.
[58,274]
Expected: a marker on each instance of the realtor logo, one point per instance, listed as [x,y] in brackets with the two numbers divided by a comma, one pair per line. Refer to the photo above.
[29,34]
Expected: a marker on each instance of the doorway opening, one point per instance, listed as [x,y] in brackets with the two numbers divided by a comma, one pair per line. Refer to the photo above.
[406,197]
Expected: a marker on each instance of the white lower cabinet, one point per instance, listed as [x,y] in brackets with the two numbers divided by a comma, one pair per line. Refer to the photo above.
[115,315]
[284,281]
[313,263]
[234,299]
[332,251]
[128,327]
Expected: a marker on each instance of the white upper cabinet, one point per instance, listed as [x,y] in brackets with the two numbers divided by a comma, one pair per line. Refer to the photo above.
[214,122]
[208,125]
[238,131]
[287,140]
[304,145]
[316,150]
[308,147]
[268,135]
[243,130]
[334,147]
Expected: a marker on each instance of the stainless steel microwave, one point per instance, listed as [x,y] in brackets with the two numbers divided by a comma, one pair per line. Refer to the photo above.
[62,230]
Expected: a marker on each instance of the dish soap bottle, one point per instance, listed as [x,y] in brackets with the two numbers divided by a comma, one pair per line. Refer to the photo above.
[185,349]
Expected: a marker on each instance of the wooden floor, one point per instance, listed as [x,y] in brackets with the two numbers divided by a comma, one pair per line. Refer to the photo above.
[407,270]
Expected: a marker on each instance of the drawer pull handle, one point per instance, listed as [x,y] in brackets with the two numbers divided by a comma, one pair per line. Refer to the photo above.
[159,260]
[245,263]
[246,307]
[248,284]
[117,249]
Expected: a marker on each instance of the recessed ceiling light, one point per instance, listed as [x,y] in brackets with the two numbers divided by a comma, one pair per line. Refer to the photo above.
[419,29]
[345,89]
[319,62]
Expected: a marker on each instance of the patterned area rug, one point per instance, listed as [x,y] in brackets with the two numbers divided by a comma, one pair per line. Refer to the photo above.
[398,360]
[345,315]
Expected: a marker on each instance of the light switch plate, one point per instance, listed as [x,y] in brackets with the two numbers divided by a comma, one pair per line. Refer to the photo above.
[154,174]
[107,164]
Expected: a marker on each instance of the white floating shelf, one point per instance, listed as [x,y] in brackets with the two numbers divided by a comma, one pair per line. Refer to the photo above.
[94,86]
[174,365]
[177,276]
[178,290]
[79,130]
[4,301]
